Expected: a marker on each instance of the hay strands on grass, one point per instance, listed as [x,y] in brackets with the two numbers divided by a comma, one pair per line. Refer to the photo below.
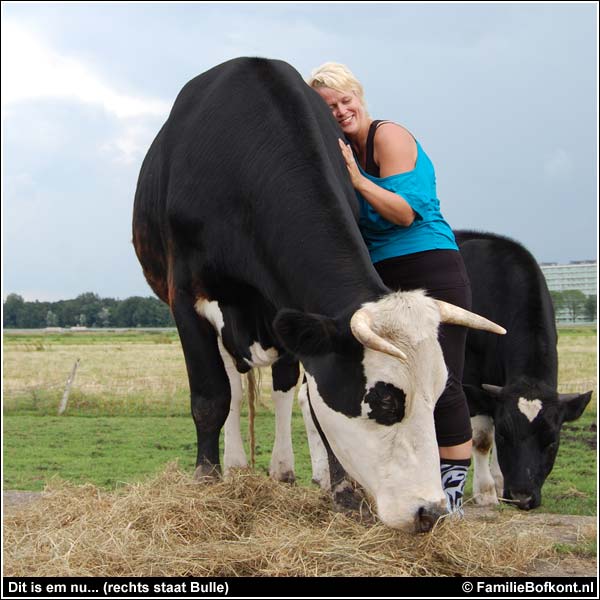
[244,525]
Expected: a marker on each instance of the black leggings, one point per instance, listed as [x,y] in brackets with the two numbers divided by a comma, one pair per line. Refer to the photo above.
[442,273]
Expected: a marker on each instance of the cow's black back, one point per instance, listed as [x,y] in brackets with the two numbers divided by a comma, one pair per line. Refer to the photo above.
[510,289]
[249,154]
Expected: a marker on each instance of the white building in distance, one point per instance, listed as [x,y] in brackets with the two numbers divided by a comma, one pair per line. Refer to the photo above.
[579,275]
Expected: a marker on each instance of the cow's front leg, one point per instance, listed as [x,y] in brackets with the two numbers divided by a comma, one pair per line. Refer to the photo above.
[484,491]
[318,452]
[209,385]
[234,455]
[496,471]
[285,374]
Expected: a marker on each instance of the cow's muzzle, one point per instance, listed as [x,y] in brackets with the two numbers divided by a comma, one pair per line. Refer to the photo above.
[523,500]
[427,517]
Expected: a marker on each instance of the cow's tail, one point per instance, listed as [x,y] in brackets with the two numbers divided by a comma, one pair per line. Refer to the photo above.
[253,397]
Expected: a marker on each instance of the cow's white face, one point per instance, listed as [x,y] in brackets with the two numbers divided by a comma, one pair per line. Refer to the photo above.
[389,445]
[397,463]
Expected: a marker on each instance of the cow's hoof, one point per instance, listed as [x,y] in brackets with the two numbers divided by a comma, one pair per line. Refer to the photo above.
[206,473]
[286,477]
[234,466]
[485,499]
[322,483]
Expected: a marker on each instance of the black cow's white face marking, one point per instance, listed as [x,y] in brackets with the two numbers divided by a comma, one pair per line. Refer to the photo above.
[530,408]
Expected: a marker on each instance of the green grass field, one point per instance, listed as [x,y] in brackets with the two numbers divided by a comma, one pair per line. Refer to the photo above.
[128,413]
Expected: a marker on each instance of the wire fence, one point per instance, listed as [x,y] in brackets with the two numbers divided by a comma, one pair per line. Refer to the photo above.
[129,378]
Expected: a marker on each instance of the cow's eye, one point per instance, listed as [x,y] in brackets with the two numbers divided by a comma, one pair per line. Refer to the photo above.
[387,403]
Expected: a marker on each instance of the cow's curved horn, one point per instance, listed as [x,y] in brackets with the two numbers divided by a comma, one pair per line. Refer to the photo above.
[494,390]
[361,325]
[449,313]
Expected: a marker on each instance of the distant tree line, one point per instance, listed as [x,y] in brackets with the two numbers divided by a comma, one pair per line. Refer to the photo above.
[574,305]
[87,310]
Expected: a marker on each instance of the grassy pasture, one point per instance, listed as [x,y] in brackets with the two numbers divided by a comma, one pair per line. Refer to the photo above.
[142,374]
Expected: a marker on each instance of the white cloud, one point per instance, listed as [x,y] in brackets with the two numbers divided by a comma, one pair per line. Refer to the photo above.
[558,165]
[32,70]
[132,142]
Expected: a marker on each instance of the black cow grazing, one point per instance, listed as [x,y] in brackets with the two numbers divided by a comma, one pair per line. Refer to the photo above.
[245,223]
[511,382]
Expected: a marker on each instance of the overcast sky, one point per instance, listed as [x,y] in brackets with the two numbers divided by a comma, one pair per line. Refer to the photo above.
[503,98]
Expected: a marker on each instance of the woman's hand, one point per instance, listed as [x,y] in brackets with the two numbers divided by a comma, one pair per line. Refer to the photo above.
[389,205]
[355,175]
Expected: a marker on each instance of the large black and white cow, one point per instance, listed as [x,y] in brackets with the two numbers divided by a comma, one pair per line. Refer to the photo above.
[511,382]
[245,223]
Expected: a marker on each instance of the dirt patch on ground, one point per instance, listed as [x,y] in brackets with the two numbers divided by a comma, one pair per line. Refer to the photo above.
[573,533]
[580,433]
[14,499]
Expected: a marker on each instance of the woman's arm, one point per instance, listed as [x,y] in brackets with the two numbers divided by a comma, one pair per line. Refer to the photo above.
[389,205]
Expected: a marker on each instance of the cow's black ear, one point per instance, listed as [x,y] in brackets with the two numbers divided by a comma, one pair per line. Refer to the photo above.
[574,404]
[305,334]
[480,401]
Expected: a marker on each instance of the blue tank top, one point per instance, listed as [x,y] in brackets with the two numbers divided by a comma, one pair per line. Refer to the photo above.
[429,230]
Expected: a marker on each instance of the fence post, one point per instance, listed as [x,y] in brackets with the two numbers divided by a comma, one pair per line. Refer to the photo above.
[65,398]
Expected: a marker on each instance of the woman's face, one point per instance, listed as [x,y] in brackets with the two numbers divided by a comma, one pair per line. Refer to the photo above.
[346,108]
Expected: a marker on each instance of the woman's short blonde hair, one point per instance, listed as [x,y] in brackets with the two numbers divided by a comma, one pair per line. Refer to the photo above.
[337,77]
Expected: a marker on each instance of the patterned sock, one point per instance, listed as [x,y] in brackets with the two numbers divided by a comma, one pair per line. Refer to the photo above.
[454,475]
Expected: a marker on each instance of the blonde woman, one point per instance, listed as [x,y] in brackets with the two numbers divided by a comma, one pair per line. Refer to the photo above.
[410,243]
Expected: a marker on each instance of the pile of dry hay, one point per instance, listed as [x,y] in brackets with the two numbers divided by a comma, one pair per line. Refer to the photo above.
[247,525]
